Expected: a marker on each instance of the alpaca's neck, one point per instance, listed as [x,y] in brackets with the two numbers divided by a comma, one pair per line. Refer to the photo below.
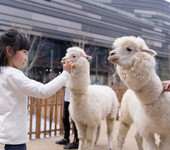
[79,83]
[142,79]
[147,89]
[151,91]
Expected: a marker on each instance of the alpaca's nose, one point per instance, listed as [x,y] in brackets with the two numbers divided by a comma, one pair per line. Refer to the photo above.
[112,53]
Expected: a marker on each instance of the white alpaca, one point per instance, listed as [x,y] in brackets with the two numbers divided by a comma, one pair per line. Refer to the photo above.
[148,108]
[126,119]
[89,103]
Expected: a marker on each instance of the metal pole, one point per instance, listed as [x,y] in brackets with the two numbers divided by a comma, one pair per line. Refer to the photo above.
[96,68]
[51,64]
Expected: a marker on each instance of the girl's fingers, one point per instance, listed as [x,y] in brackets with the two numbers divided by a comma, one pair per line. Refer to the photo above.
[68,62]
[167,86]
[67,66]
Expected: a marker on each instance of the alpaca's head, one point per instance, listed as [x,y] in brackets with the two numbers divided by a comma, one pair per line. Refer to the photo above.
[135,61]
[126,48]
[79,57]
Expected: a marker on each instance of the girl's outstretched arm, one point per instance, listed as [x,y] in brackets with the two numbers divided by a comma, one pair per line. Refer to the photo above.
[33,88]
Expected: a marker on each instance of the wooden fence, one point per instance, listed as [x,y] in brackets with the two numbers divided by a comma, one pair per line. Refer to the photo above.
[45,115]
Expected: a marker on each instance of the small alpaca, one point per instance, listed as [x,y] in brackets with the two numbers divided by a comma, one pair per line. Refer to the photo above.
[89,103]
[146,105]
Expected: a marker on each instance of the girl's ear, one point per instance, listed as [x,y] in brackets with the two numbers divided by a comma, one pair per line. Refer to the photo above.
[9,51]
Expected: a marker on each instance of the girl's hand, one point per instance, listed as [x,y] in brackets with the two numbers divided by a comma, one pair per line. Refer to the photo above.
[67,66]
[166,86]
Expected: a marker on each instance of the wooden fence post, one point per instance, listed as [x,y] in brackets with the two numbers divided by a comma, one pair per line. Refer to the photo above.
[38,117]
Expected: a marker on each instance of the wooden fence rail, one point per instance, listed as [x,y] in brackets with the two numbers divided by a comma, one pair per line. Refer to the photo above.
[45,115]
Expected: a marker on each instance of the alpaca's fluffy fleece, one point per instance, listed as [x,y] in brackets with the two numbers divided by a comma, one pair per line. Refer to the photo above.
[89,103]
[98,103]
[146,106]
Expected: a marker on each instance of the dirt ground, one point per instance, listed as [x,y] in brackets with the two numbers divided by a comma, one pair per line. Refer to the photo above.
[49,143]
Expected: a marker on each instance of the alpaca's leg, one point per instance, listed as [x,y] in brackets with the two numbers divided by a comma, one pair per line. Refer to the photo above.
[110,125]
[90,136]
[123,129]
[81,143]
[97,133]
[139,141]
[81,134]
[149,143]
[165,142]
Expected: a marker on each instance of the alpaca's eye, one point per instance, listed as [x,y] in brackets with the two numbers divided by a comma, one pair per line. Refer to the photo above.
[74,56]
[129,49]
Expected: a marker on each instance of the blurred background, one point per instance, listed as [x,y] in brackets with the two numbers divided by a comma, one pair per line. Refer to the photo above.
[54,25]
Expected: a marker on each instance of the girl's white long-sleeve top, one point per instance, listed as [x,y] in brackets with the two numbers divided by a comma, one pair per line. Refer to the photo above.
[14,89]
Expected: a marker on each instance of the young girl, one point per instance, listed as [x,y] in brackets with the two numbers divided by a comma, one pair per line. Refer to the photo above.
[15,87]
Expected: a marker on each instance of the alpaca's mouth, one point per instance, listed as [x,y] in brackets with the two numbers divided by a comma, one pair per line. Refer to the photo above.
[113,59]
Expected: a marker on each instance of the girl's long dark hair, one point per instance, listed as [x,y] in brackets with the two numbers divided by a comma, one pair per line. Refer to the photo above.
[15,40]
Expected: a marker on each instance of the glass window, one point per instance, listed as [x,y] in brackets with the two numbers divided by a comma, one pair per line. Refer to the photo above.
[163,68]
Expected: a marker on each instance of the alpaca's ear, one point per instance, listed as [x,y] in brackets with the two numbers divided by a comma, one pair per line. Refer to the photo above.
[88,57]
[149,51]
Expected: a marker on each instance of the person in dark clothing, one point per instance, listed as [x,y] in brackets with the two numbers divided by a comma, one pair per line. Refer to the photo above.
[66,122]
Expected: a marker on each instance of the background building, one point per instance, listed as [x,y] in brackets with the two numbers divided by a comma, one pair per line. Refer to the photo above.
[91,24]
